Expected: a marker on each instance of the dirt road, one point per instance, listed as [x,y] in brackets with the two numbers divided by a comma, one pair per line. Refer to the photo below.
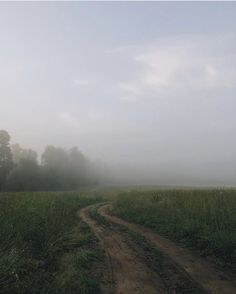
[129,270]
[126,274]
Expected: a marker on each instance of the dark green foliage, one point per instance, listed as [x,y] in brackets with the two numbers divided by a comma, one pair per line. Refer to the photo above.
[44,247]
[66,170]
[203,219]
[61,170]
[26,176]
[6,162]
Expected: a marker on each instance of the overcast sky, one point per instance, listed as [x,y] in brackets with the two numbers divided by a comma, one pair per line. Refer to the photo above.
[150,86]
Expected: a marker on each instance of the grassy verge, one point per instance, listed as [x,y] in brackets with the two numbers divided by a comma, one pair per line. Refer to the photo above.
[202,219]
[45,247]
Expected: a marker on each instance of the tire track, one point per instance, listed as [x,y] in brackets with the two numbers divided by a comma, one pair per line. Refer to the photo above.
[212,279]
[126,273]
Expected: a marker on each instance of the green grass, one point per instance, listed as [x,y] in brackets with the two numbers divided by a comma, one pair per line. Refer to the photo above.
[202,219]
[45,247]
[98,217]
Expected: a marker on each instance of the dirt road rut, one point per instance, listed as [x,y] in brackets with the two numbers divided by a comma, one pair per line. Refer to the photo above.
[129,273]
[126,274]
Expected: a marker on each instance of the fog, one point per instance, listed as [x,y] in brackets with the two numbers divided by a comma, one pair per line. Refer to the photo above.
[148,89]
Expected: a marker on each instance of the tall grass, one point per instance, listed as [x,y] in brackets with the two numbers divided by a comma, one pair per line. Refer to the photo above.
[42,243]
[204,219]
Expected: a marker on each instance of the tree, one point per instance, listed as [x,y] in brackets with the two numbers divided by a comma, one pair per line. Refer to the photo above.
[6,162]
[25,177]
[54,157]
[20,153]
[55,168]
[80,169]
[66,170]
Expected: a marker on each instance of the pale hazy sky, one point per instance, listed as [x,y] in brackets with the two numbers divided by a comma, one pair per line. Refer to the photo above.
[151,85]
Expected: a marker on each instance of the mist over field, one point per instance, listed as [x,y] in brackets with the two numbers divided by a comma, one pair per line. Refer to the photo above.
[145,90]
[117,147]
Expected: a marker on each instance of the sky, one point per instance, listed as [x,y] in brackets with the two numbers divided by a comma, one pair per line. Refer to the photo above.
[148,88]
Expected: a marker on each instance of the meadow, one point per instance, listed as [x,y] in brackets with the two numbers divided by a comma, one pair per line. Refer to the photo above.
[204,220]
[45,247]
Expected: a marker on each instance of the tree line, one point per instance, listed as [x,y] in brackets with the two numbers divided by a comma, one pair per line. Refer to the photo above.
[59,169]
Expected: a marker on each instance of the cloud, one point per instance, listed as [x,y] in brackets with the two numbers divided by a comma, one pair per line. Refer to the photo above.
[81,82]
[68,118]
[120,49]
[180,65]
[131,91]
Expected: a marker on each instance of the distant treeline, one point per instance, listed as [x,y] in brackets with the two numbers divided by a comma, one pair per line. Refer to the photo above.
[59,169]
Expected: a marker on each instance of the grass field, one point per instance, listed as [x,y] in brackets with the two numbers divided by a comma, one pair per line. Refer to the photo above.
[44,247]
[202,219]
